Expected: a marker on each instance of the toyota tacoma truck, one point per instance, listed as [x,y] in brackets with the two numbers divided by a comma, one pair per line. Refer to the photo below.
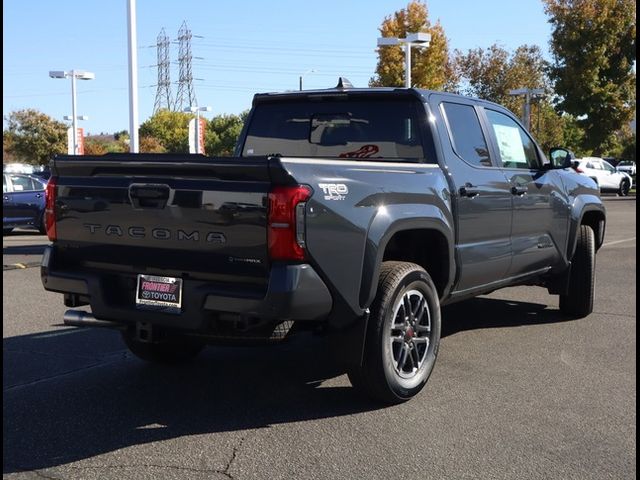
[356,213]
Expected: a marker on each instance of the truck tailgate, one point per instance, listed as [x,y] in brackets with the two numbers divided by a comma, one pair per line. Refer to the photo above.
[189,214]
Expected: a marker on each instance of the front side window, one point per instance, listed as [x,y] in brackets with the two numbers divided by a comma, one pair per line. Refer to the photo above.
[348,128]
[608,167]
[516,148]
[466,134]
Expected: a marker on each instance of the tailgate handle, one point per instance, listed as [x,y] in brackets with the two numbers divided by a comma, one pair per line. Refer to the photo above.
[149,195]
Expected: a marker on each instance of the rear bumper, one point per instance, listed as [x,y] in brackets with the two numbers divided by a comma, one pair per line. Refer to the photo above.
[294,292]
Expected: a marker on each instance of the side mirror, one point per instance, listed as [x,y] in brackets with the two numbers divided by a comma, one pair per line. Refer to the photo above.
[561,157]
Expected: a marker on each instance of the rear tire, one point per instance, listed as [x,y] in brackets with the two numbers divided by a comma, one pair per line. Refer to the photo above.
[42,226]
[578,302]
[170,351]
[623,191]
[403,335]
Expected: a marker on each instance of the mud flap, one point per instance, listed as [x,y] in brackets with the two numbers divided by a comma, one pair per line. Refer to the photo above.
[348,343]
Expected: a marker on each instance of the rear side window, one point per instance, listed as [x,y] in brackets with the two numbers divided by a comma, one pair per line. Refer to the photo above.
[466,134]
[337,128]
[22,183]
[516,148]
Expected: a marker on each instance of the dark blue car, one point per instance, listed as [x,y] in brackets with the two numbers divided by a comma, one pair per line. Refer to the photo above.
[23,202]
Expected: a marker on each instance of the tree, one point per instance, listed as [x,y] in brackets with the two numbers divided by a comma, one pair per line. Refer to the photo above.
[547,126]
[121,134]
[431,67]
[222,134]
[573,135]
[629,148]
[490,74]
[171,129]
[150,144]
[35,137]
[93,146]
[593,43]
[7,147]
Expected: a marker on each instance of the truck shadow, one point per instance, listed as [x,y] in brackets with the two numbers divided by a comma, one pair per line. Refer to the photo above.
[72,394]
[78,395]
[496,313]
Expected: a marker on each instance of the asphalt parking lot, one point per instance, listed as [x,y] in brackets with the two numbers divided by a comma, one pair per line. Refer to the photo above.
[518,391]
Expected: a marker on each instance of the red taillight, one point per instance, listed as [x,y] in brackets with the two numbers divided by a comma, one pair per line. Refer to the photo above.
[578,169]
[286,222]
[50,208]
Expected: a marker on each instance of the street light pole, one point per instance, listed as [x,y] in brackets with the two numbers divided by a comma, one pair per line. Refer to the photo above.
[308,71]
[407,65]
[133,76]
[417,39]
[528,93]
[74,120]
[74,74]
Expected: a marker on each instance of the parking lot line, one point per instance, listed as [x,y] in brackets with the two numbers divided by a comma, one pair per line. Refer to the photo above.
[619,241]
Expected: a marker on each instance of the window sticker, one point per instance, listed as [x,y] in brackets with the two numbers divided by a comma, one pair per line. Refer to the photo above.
[510,144]
[363,152]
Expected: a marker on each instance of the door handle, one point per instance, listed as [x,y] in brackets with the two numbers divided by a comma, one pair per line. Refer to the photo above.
[38,195]
[469,191]
[519,190]
[5,198]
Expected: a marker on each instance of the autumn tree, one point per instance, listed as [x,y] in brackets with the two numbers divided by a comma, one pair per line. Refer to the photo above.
[491,73]
[593,43]
[7,147]
[94,146]
[34,136]
[149,144]
[431,67]
[171,129]
[222,134]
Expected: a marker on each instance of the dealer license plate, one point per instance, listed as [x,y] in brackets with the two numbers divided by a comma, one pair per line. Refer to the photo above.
[159,293]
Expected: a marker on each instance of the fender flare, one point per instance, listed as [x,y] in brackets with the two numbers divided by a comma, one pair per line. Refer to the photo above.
[396,219]
[582,205]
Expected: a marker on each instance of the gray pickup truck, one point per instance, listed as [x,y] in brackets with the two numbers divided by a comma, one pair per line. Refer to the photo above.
[352,212]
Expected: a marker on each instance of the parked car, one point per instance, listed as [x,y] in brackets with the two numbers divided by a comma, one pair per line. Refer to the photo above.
[627,166]
[23,202]
[604,174]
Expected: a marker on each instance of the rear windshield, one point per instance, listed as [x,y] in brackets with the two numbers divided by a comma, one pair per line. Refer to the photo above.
[365,128]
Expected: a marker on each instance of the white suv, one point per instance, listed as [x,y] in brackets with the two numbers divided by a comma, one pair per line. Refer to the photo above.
[603,173]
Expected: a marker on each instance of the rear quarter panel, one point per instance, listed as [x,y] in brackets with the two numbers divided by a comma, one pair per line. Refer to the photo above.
[347,232]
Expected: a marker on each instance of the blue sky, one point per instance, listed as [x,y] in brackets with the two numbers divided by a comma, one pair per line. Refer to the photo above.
[247,47]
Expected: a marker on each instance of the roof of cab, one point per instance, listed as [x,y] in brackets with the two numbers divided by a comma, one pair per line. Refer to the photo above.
[421,93]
